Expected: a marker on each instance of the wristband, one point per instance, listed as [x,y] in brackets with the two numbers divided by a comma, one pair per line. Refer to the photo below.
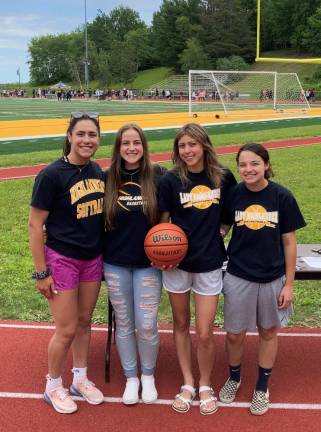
[41,275]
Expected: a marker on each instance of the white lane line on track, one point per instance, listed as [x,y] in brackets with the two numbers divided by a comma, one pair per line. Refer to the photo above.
[285,406]
[162,331]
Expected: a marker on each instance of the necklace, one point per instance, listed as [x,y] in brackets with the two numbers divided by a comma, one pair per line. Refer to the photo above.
[80,167]
[130,173]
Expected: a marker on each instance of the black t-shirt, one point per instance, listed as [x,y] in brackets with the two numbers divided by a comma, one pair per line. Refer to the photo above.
[124,244]
[259,219]
[73,196]
[197,209]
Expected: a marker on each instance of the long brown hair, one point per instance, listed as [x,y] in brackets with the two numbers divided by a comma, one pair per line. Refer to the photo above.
[211,164]
[116,178]
[71,126]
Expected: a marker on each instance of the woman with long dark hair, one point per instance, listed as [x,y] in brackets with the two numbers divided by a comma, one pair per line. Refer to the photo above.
[68,199]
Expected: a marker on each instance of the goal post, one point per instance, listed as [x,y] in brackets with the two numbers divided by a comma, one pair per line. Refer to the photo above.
[211,91]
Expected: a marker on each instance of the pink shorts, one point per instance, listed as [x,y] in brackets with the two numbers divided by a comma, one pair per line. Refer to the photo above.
[68,272]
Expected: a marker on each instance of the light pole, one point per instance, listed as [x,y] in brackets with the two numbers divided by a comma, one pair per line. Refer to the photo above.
[18,73]
[86,51]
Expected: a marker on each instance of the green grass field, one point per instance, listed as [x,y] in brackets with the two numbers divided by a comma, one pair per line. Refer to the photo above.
[19,299]
[45,150]
[297,168]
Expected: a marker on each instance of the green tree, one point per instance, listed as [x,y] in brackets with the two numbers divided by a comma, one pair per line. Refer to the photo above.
[193,56]
[302,11]
[124,20]
[172,26]
[103,72]
[100,31]
[226,30]
[122,62]
[52,57]
[138,41]
[232,63]
[312,35]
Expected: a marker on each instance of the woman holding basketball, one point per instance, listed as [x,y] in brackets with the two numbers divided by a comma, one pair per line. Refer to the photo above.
[134,287]
[68,199]
[258,285]
[191,196]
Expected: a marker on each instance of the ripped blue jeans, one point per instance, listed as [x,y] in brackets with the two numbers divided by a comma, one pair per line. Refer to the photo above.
[135,296]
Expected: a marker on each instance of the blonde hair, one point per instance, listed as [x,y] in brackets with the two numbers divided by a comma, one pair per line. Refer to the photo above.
[116,178]
[212,166]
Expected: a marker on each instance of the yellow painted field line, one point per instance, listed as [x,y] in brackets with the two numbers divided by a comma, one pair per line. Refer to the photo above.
[20,128]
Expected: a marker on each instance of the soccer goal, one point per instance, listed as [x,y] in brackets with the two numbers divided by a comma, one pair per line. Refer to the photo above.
[228,91]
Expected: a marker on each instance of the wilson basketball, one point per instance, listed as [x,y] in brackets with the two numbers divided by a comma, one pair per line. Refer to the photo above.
[166,244]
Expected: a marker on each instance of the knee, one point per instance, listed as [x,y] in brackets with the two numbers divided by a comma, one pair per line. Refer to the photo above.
[205,337]
[148,331]
[84,322]
[235,339]
[181,325]
[267,334]
[66,334]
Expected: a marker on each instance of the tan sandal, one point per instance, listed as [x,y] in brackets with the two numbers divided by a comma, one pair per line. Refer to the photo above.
[187,402]
[204,402]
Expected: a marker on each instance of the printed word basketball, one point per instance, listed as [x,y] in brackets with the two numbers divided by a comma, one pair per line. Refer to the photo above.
[166,244]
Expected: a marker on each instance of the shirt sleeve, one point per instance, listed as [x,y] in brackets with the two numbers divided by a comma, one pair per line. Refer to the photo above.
[44,192]
[229,182]
[291,217]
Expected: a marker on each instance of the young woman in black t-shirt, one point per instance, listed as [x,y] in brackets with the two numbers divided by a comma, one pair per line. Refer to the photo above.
[134,286]
[68,199]
[258,285]
[191,196]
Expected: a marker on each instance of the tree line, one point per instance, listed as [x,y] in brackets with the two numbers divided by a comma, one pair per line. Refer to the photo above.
[183,35]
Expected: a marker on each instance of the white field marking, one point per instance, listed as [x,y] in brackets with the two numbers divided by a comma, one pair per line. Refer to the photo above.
[161,127]
[17,177]
[285,406]
[162,331]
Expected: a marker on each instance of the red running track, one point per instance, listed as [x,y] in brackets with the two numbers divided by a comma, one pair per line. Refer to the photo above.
[294,387]
[12,173]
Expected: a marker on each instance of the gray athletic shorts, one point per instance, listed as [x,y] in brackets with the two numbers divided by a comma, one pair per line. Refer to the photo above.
[250,304]
[180,281]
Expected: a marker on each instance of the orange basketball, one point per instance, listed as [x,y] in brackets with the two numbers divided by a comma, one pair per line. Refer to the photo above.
[166,244]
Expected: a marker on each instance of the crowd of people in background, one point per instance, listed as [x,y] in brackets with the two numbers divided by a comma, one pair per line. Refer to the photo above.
[199,95]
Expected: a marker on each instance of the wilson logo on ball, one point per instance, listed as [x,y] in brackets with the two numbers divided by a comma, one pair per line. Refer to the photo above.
[160,238]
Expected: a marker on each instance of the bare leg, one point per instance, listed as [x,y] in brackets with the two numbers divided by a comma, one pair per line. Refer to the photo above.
[181,317]
[268,347]
[87,298]
[234,344]
[205,308]
[64,311]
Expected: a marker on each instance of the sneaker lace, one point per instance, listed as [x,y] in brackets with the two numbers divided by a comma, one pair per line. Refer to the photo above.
[61,392]
[87,384]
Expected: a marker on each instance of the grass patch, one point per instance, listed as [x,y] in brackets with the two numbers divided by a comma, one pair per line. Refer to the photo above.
[46,150]
[19,299]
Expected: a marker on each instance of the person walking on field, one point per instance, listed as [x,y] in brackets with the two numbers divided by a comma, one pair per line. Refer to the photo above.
[68,199]
[258,285]
[192,196]
[134,286]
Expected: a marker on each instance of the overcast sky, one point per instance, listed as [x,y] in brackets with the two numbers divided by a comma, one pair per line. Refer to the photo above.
[21,20]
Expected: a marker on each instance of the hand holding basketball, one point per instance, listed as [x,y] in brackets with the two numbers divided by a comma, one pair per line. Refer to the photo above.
[166,245]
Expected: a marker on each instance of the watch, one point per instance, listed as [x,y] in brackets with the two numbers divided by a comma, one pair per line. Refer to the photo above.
[41,275]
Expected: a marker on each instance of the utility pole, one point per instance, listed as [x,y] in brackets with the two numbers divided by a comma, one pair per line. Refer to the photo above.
[86,52]
[18,73]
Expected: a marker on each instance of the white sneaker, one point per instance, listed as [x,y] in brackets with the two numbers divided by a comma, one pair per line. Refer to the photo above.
[149,392]
[130,396]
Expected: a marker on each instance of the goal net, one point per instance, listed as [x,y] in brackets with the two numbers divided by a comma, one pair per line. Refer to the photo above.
[228,91]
